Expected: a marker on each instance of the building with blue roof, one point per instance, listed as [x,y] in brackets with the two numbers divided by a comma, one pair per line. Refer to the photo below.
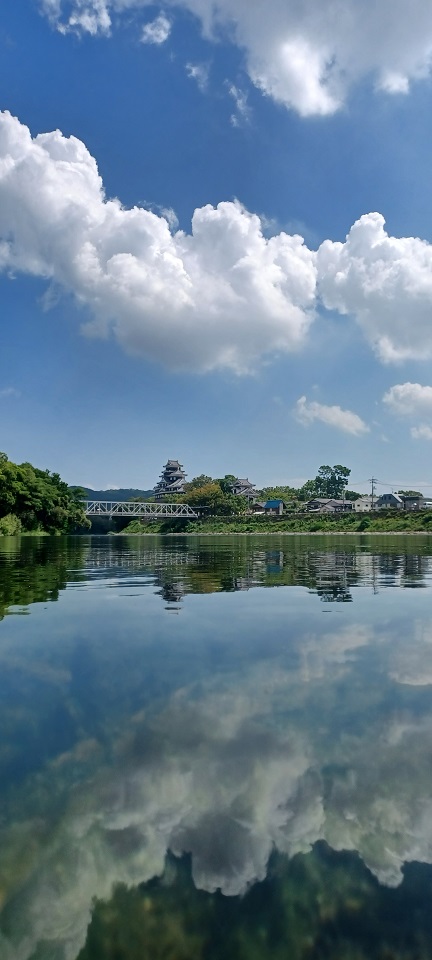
[274,507]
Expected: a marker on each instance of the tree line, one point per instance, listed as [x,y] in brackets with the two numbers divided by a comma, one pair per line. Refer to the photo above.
[37,501]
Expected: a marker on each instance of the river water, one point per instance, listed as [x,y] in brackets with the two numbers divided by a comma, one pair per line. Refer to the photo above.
[216,748]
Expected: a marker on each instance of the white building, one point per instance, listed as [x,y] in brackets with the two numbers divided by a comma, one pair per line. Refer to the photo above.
[364,504]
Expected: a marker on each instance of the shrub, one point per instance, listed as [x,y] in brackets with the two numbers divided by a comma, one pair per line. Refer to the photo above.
[364,523]
[10,525]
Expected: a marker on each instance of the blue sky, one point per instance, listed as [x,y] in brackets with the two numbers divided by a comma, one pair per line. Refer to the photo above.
[129,338]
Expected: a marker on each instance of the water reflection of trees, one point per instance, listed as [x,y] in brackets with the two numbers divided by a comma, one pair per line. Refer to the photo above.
[323,904]
[183,566]
[35,570]
[40,568]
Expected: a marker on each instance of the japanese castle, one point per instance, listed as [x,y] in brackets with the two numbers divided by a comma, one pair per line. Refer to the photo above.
[171,481]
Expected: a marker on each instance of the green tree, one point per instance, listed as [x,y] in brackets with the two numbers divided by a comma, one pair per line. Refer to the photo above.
[214,502]
[198,482]
[331,481]
[352,495]
[287,494]
[7,485]
[227,482]
[78,494]
[307,491]
[40,500]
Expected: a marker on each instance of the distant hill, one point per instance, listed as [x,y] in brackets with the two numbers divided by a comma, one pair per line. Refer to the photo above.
[125,493]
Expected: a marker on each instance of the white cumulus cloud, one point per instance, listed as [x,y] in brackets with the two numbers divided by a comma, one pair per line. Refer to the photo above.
[221,296]
[83,16]
[345,420]
[412,400]
[423,432]
[305,55]
[385,283]
[157,31]
[406,399]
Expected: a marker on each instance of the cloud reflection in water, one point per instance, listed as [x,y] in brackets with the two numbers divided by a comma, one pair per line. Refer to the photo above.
[322,738]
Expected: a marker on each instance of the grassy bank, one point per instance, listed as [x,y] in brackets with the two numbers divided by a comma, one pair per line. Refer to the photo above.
[388,522]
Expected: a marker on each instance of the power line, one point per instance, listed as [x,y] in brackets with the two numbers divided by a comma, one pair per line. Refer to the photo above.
[402,484]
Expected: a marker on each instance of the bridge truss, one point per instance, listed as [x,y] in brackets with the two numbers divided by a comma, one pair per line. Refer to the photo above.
[131,508]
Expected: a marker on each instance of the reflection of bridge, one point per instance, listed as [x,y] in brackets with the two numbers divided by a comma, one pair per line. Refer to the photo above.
[132,508]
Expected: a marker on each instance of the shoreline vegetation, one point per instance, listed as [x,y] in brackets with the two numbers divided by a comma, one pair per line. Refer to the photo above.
[34,501]
[384,522]
[38,502]
[223,507]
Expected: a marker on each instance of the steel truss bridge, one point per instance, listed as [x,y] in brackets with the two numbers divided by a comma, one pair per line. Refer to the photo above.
[130,508]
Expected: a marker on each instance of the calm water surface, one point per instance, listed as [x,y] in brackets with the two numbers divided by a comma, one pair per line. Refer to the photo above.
[216,748]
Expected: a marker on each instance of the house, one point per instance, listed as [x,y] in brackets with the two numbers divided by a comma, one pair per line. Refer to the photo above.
[244,488]
[364,504]
[339,506]
[316,505]
[256,506]
[329,505]
[413,502]
[416,502]
[274,508]
[390,501]
[171,480]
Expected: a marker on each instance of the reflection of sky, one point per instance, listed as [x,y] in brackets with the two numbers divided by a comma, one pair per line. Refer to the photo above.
[251,721]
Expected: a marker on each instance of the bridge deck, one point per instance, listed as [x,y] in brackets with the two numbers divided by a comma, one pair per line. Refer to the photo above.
[131,508]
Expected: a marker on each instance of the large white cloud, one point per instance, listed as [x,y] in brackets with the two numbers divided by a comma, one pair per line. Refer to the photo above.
[406,399]
[386,283]
[412,400]
[333,416]
[221,296]
[304,55]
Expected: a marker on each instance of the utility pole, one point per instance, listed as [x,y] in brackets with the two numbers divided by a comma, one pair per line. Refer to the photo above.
[372,482]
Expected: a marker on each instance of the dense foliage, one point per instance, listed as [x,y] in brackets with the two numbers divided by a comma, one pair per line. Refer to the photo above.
[37,501]
[331,481]
[215,496]
[384,521]
[211,498]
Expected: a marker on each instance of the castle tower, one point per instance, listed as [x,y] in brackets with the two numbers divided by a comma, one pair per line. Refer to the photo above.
[171,481]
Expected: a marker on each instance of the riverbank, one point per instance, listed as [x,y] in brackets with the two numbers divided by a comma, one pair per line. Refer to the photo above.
[389,522]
